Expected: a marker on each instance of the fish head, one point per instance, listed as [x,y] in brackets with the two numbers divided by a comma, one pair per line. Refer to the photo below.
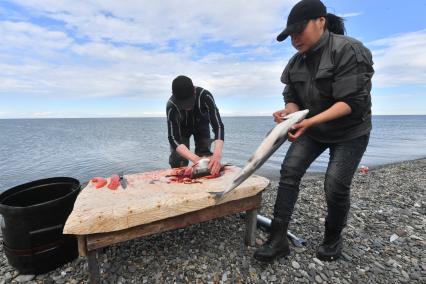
[297,116]
[203,163]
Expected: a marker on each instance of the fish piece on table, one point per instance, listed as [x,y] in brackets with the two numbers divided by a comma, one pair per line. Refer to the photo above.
[99,182]
[114,182]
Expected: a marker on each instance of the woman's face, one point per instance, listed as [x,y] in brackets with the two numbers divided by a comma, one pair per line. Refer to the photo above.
[309,37]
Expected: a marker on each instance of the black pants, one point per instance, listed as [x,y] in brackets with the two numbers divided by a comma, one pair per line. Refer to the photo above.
[202,148]
[344,160]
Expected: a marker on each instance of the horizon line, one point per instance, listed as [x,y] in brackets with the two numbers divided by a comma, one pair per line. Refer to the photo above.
[163,116]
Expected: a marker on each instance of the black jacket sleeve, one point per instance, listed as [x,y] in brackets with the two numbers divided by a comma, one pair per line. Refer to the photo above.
[214,116]
[173,126]
[352,80]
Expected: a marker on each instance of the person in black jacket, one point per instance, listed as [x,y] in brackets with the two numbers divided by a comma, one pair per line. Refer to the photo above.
[190,111]
[331,76]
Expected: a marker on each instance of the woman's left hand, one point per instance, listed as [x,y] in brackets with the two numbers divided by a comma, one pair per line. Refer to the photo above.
[298,129]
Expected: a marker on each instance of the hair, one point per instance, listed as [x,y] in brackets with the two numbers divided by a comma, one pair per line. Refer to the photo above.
[335,24]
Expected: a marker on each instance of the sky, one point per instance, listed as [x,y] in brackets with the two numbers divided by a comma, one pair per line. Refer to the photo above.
[108,58]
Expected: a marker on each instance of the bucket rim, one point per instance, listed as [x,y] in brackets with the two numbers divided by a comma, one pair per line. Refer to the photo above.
[25,186]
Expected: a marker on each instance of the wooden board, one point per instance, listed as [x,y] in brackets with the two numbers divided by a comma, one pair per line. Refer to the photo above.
[150,197]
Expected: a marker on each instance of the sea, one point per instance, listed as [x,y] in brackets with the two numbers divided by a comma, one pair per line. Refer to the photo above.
[82,148]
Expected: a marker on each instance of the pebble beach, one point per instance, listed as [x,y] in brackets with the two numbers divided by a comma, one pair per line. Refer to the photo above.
[384,242]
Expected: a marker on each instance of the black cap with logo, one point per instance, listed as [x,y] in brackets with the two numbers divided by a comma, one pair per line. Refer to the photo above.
[300,15]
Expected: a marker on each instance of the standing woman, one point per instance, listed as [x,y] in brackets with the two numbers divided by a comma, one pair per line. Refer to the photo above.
[331,76]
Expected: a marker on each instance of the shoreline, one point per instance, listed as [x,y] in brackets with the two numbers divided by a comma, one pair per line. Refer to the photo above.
[273,175]
[388,201]
[276,177]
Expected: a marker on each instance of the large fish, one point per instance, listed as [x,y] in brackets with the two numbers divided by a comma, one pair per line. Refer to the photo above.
[274,139]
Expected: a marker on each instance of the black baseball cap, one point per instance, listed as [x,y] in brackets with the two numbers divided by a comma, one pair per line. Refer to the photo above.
[183,92]
[300,15]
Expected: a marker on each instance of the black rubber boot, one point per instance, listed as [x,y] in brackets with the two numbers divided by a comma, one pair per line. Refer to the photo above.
[277,244]
[331,247]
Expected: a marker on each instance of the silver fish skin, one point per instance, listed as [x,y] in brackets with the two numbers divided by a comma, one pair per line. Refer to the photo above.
[273,140]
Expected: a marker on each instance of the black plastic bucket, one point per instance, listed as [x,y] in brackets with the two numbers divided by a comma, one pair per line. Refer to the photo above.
[34,215]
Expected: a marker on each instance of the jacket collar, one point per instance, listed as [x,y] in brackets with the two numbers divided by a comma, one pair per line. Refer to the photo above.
[318,46]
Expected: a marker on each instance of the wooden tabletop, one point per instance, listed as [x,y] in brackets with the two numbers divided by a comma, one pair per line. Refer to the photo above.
[149,197]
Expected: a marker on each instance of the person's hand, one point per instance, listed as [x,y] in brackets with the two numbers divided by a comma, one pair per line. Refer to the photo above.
[214,164]
[279,115]
[298,129]
[196,159]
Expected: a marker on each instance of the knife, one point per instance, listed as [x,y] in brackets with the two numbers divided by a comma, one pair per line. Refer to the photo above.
[123,181]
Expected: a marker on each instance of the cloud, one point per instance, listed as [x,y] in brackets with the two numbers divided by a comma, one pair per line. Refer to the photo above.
[127,71]
[350,15]
[24,36]
[236,22]
[61,66]
[400,60]
[42,114]
[135,48]
[399,102]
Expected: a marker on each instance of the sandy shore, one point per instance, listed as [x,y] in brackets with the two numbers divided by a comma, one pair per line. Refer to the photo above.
[388,201]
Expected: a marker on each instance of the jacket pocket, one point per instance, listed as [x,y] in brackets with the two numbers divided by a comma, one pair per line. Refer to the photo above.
[298,77]
[324,82]
[300,82]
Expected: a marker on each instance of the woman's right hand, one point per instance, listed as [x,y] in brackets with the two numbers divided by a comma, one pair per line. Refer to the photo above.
[280,114]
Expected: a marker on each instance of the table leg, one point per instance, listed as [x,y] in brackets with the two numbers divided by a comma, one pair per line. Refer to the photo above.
[92,258]
[82,245]
[251,224]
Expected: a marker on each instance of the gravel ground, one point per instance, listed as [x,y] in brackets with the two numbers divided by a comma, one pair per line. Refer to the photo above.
[385,242]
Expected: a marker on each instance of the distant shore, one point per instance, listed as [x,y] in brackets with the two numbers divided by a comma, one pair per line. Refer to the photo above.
[163,116]
[384,241]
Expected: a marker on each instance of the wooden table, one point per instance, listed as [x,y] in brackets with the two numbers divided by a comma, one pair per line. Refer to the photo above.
[151,204]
